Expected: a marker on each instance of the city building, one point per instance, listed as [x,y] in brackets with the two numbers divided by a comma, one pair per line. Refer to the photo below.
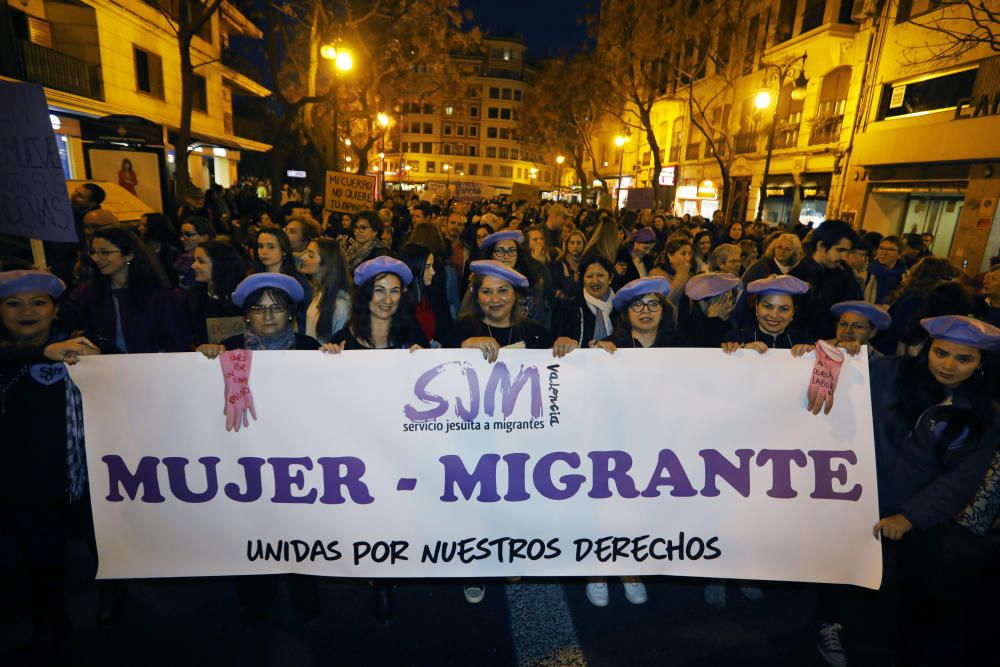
[926,155]
[473,137]
[111,74]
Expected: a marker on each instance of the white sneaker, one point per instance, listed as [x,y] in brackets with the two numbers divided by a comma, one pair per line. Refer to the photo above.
[475,593]
[715,595]
[635,590]
[829,645]
[751,592]
[597,592]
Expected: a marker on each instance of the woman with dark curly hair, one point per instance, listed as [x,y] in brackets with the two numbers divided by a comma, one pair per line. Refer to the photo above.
[218,269]
[907,299]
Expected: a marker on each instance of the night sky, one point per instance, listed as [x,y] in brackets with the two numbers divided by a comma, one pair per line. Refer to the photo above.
[550,26]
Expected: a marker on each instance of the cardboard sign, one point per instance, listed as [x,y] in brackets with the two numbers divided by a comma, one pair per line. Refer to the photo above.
[639,198]
[525,191]
[438,464]
[33,199]
[221,328]
[349,193]
[468,192]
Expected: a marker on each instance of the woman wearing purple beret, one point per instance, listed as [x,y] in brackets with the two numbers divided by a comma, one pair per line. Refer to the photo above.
[936,433]
[774,306]
[646,316]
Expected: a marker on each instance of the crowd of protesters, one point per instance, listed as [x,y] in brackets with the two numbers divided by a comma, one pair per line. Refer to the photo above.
[228,271]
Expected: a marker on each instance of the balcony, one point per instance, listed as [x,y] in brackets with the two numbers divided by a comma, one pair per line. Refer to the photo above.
[786,134]
[826,130]
[54,69]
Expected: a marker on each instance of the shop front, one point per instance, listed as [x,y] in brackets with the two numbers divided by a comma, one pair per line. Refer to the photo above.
[697,198]
[789,201]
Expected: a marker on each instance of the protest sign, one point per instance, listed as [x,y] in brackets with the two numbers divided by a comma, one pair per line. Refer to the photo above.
[438,464]
[639,198]
[468,192]
[349,193]
[33,199]
[525,191]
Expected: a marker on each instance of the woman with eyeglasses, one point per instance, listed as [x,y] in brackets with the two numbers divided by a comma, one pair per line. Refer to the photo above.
[507,247]
[194,230]
[857,323]
[367,229]
[126,303]
[645,316]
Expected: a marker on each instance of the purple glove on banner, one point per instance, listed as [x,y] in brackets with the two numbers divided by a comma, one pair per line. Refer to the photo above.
[825,373]
[239,400]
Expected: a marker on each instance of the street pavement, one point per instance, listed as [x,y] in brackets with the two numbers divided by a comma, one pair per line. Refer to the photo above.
[541,622]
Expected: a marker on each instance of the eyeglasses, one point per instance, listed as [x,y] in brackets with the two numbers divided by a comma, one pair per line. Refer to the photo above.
[854,326]
[189,235]
[639,306]
[888,248]
[504,252]
[103,254]
[268,310]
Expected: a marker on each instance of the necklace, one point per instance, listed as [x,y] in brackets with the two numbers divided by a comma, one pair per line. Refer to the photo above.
[510,332]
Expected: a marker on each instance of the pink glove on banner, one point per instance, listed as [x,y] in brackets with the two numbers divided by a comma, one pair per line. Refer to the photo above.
[825,373]
[239,400]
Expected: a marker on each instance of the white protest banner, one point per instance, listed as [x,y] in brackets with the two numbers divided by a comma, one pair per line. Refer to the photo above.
[436,464]
[349,193]
[33,198]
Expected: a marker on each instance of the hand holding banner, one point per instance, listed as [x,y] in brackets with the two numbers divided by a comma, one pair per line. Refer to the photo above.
[823,381]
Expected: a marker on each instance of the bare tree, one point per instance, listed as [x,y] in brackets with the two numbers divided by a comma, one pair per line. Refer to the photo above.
[959,26]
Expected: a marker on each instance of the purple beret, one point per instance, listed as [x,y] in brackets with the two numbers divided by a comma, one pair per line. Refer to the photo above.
[506,235]
[24,282]
[640,287]
[643,235]
[778,285]
[491,267]
[878,317]
[382,264]
[251,284]
[707,285]
[963,330]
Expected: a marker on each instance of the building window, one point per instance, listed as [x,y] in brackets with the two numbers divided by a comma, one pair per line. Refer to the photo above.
[812,14]
[449,110]
[935,94]
[472,91]
[507,93]
[829,116]
[750,50]
[459,168]
[504,153]
[473,112]
[428,108]
[428,148]
[905,10]
[446,128]
[514,154]
[446,149]
[788,117]
[199,94]
[517,95]
[460,149]
[473,170]
[431,167]
[494,93]
[473,131]
[506,172]
[785,21]
[491,133]
[428,128]
[460,130]
[148,72]
[414,165]
[505,114]
[505,133]
[487,170]
[415,128]
[492,112]
[491,151]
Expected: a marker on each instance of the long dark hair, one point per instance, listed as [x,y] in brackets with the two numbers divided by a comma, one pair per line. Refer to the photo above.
[666,330]
[947,298]
[402,325]
[160,229]
[228,267]
[918,391]
[332,279]
[477,313]
[287,259]
[144,272]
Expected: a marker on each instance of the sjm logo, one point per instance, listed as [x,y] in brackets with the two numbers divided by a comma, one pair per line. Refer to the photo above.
[500,388]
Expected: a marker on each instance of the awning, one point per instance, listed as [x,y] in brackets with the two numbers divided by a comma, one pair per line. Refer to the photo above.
[126,206]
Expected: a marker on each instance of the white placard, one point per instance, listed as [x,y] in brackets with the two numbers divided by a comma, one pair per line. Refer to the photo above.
[674,461]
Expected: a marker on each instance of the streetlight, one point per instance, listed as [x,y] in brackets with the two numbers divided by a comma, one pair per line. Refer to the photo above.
[343,61]
[620,142]
[533,174]
[447,175]
[764,99]
[559,161]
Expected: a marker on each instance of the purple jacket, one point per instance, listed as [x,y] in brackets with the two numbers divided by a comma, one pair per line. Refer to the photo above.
[159,326]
